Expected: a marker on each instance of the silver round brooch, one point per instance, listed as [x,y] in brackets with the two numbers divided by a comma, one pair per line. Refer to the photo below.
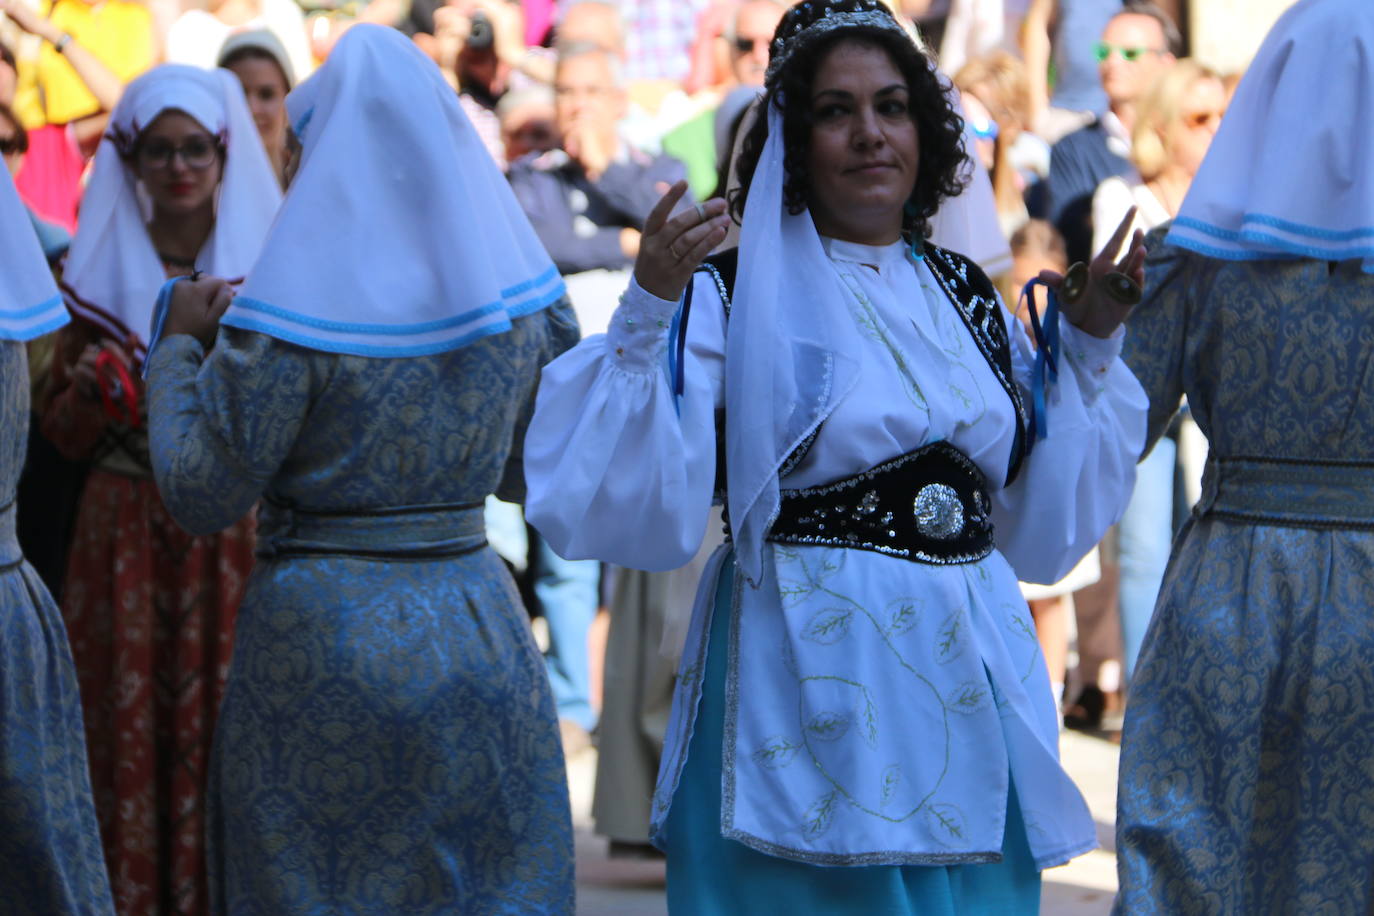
[939,512]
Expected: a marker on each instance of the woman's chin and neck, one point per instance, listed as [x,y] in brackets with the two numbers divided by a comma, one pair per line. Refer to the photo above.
[181,232]
[875,227]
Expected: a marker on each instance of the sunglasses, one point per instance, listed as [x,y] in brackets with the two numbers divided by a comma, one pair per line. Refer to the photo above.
[746,45]
[1102,51]
[983,130]
[1199,119]
[12,145]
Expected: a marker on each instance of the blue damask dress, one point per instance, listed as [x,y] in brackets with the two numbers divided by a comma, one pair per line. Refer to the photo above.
[1247,767]
[388,742]
[51,863]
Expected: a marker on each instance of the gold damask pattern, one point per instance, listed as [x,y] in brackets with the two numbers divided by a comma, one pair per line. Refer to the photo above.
[51,862]
[388,742]
[1247,769]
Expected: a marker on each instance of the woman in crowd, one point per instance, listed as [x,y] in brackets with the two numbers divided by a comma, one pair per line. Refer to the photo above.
[861,685]
[1174,125]
[198,34]
[150,608]
[259,61]
[996,99]
[65,95]
[1245,766]
[388,742]
[50,858]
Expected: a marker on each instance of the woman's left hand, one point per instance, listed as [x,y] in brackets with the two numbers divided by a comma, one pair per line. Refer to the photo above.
[1097,311]
[196,308]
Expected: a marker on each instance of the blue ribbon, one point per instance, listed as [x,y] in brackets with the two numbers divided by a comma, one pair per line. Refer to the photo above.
[164,302]
[1046,370]
[677,349]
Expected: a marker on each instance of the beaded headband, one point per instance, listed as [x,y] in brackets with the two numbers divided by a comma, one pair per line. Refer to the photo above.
[831,20]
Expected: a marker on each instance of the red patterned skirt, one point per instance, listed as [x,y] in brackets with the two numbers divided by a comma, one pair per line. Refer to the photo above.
[150,615]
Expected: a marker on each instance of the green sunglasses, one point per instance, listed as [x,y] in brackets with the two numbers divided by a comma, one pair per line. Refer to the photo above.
[1102,51]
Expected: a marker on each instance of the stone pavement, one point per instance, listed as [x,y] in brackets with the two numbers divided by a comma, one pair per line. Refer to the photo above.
[1084,887]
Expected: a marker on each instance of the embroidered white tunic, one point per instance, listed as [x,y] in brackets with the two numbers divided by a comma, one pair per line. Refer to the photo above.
[875,707]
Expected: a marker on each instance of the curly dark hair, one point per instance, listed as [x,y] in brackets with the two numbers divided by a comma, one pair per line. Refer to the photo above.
[943,168]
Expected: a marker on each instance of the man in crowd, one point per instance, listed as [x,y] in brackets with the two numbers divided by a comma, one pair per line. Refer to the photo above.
[1137,46]
[697,141]
[588,200]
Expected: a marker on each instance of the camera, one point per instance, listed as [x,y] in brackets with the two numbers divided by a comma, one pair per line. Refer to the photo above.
[482,36]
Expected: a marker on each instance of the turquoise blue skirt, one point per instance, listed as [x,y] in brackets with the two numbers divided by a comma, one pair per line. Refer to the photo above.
[709,875]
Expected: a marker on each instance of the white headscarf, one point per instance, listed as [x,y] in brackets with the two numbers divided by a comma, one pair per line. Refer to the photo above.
[29,304]
[113,274]
[399,236]
[1290,172]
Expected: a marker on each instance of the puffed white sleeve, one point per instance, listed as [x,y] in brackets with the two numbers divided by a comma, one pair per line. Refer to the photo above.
[1076,481]
[618,466]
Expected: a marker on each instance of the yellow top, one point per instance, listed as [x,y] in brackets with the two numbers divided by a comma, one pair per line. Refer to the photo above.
[118,32]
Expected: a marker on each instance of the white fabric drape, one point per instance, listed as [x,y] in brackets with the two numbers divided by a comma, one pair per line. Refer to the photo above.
[113,273]
[29,304]
[399,236]
[1289,173]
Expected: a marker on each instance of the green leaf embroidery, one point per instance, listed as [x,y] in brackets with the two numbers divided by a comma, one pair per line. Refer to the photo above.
[828,626]
[969,697]
[892,777]
[946,822]
[818,817]
[1019,624]
[828,726]
[777,752]
[902,615]
[950,642]
[870,721]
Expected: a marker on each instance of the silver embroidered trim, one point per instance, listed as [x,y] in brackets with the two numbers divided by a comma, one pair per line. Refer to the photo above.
[783,49]
[939,512]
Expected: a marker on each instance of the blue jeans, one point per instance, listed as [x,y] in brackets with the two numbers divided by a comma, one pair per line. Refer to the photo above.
[1145,535]
[568,592]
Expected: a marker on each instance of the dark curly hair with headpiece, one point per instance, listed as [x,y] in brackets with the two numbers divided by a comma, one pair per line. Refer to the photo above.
[795,58]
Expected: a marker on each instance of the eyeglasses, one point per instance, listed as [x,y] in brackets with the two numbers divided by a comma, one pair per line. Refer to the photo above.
[197,153]
[11,145]
[1102,51]
[1199,119]
[746,45]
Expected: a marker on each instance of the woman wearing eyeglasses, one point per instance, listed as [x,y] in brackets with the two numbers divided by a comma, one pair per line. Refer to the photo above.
[180,183]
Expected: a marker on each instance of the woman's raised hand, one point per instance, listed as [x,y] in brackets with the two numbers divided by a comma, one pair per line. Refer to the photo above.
[670,249]
[1106,300]
[196,307]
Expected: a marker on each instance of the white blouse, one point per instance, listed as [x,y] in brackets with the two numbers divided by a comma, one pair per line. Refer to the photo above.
[876,708]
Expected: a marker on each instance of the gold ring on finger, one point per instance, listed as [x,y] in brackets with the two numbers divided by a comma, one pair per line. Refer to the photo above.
[673,251]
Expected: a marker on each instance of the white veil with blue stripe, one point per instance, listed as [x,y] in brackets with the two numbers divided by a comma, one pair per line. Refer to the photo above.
[399,236]
[1290,172]
[29,303]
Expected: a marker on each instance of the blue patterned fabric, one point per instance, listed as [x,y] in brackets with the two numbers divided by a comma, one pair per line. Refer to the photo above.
[388,742]
[1247,767]
[709,875]
[51,863]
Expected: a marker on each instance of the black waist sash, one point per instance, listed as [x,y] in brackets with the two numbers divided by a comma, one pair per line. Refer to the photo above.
[930,505]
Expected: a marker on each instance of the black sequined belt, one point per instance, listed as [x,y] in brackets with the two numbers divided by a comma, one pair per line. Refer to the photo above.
[928,506]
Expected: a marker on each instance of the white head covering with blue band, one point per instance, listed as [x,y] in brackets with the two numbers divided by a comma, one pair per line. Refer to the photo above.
[113,274]
[399,235]
[1290,172]
[29,303]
